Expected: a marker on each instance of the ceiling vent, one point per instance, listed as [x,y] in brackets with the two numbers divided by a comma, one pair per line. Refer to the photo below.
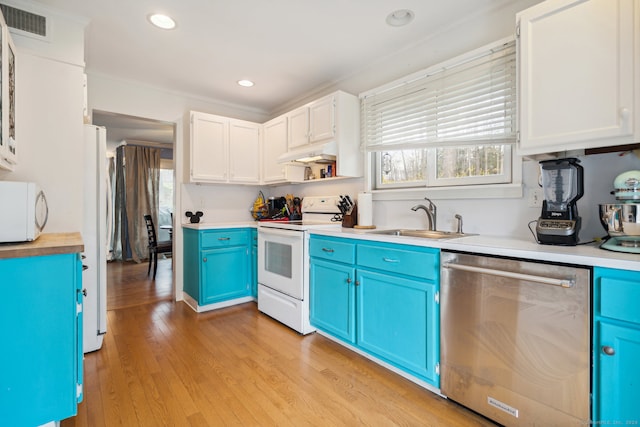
[24,22]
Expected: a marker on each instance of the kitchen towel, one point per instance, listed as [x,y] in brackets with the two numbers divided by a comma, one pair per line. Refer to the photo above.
[365,209]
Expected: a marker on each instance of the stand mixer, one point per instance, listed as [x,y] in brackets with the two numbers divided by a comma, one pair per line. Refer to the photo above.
[563,185]
[622,220]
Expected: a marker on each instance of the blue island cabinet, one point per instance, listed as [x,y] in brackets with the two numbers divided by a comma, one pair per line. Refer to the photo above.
[217,267]
[616,341]
[41,336]
[381,299]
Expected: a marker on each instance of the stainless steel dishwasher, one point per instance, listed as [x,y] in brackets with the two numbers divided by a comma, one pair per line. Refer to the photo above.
[515,339]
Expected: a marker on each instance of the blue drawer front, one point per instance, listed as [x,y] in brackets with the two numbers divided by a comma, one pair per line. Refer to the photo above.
[410,261]
[337,250]
[223,238]
[617,293]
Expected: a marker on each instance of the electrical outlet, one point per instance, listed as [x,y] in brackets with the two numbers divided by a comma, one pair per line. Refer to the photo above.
[535,198]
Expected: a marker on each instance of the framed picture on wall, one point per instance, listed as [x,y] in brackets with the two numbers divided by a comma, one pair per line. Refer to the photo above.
[8,149]
[3,147]
[9,93]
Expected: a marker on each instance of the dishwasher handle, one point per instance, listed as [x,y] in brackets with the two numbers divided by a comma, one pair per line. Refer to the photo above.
[565,283]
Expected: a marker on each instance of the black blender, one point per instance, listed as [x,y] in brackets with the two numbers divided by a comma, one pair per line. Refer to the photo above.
[562,183]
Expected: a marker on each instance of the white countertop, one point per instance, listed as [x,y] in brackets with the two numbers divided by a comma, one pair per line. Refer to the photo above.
[218,225]
[589,255]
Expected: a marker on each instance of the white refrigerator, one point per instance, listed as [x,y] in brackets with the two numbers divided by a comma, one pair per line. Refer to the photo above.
[94,235]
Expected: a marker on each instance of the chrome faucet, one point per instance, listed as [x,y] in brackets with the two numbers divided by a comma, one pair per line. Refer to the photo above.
[459,218]
[430,211]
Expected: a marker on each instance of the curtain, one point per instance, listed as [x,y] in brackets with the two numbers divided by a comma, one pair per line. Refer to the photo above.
[136,194]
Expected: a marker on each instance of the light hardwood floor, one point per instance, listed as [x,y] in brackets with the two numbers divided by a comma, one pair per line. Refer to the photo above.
[163,364]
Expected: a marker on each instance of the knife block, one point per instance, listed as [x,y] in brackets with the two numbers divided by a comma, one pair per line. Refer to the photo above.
[350,219]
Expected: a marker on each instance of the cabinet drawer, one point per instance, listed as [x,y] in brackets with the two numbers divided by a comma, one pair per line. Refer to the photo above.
[408,260]
[617,294]
[339,250]
[223,238]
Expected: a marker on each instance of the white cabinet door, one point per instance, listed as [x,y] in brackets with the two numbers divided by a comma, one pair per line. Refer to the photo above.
[274,145]
[576,75]
[244,152]
[299,127]
[208,146]
[322,123]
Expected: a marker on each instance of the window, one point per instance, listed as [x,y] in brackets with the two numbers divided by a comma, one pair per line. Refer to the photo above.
[450,125]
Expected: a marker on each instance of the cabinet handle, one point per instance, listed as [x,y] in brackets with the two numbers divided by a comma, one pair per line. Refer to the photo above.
[349,280]
[224,238]
[327,250]
[204,259]
[624,113]
[385,259]
[357,283]
[609,351]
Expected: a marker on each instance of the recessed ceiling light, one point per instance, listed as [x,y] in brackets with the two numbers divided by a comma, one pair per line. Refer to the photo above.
[245,83]
[400,17]
[162,21]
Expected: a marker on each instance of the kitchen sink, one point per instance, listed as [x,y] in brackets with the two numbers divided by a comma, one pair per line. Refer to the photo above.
[426,234]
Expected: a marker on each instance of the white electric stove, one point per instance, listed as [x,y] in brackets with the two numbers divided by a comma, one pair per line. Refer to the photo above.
[283,261]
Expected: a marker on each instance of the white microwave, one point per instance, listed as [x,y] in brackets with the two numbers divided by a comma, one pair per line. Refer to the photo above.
[23,211]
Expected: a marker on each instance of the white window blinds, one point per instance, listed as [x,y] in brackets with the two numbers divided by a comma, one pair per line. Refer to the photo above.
[471,101]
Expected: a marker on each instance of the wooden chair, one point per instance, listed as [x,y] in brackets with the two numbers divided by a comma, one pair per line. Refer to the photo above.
[155,247]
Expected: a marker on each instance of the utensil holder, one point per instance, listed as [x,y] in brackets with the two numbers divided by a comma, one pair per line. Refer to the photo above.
[350,219]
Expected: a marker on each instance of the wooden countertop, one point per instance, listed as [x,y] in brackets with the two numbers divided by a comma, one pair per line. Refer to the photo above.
[46,244]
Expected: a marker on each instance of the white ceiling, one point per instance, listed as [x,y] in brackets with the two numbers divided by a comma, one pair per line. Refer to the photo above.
[289,48]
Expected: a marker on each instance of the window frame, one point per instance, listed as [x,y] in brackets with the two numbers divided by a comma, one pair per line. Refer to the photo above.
[473,187]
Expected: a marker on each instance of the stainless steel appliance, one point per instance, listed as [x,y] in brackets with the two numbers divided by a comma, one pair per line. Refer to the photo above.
[515,339]
[563,185]
[23,211]
[622,220]
[283,262]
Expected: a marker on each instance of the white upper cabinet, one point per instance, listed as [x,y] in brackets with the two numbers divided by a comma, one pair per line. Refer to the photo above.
[322,119]
[578,76]
[223,150]
[209,142]
[244,152]
[298,127]
[335,119]
[274,144]
[313,122]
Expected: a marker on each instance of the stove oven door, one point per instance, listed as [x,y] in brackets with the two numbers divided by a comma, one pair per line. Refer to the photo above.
[281,260]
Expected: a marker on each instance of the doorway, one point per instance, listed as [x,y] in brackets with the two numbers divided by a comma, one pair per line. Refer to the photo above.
[127,281]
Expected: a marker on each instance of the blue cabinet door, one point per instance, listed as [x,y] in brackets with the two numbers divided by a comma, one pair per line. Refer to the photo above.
[40,332]
[616,346]
[398,321]
[617,399]
[225,274]
[332,298]
[254,263]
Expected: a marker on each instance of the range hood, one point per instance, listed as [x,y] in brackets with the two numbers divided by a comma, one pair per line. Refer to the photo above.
[324,152]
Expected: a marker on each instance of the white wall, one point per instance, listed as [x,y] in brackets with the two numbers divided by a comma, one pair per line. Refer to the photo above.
[510,217]
[49,132]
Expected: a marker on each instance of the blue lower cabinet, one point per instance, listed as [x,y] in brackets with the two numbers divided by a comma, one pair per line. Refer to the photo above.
[332,299]
[616,341]
[254,263]
[41,336]
[381,298]
[397,321]
[224,274]
[218,264]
